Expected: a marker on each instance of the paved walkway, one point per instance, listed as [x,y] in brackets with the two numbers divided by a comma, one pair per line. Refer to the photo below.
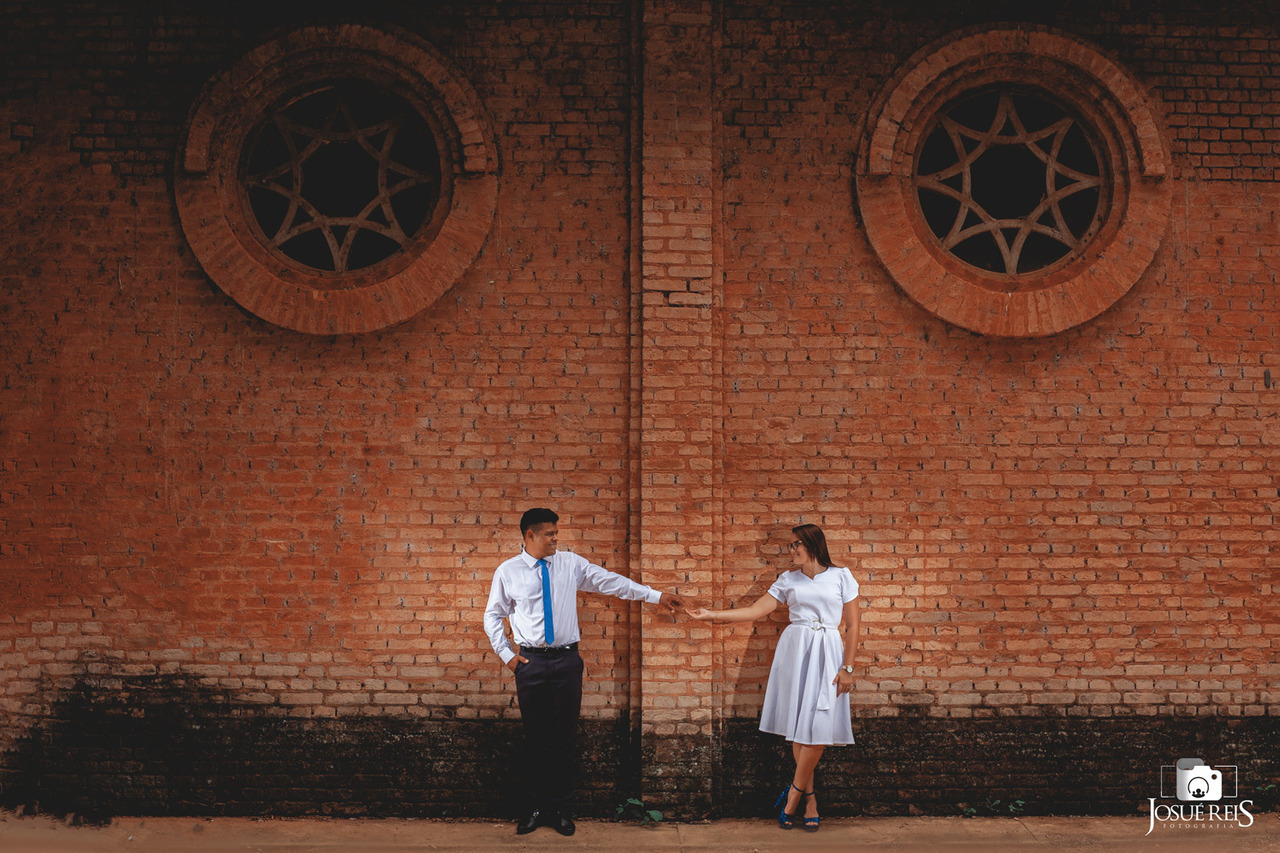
[898,835]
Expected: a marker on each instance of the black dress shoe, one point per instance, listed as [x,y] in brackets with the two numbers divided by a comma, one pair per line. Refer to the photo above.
[529,822]
[562,823]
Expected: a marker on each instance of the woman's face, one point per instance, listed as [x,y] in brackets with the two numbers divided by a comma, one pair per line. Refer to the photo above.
[799,555]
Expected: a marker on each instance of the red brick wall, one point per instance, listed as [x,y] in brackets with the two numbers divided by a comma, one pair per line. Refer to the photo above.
[678,392]
[678,336]
[1080,524]
[309,522]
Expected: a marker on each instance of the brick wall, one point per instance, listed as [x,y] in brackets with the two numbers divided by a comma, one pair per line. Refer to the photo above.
[307,525]
[677,335]
[678,397]
[1221,86]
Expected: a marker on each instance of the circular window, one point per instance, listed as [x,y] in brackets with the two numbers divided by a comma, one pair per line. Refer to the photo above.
[337,179]
[1008,208]
[341,178]
[1010,182]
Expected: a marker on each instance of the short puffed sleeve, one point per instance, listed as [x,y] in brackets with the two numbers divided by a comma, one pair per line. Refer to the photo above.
[848,586]
[782,588]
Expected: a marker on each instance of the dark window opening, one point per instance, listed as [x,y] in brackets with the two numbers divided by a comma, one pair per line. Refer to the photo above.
[343,177]
[1010,182]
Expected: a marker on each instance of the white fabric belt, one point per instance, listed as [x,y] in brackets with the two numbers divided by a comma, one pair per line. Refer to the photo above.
[816,625]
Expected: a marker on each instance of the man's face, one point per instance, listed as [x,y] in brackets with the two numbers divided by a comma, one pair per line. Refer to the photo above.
[540,540]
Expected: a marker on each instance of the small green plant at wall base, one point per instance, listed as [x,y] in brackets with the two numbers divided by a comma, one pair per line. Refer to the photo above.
[1265,796]
[993,808]
[634,809]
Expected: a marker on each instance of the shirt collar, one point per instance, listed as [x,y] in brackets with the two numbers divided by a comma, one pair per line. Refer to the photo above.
[530,561]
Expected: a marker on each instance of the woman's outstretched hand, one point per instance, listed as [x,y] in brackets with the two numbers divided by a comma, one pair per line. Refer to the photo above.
[700,613]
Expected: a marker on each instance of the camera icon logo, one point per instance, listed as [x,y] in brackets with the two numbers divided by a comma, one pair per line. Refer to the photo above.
[1198,782]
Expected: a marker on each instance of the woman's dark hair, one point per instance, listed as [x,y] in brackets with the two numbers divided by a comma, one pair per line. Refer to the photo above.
[533,517]
[810,536]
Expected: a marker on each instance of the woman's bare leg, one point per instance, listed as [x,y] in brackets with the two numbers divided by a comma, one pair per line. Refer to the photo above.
[806,757]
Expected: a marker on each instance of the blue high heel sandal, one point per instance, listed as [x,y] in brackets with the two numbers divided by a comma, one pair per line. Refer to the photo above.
[786,821]
[810,823]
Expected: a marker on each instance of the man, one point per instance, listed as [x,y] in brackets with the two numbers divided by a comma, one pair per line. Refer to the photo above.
[537,590]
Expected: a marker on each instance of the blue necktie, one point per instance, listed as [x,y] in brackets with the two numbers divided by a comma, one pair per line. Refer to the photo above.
[548,625]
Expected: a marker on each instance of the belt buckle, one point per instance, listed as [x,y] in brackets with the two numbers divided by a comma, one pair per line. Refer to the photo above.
[817,624]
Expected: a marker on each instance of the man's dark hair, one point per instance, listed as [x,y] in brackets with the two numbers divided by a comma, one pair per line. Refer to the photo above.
[533,517]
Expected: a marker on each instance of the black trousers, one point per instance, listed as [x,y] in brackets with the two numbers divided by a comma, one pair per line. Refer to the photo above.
[549,689]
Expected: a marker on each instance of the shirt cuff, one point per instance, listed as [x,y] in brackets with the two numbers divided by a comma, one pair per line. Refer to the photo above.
[653,595]
[506,654]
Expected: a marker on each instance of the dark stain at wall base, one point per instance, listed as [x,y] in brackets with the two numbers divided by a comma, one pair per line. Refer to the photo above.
[166,746]
[1053,764]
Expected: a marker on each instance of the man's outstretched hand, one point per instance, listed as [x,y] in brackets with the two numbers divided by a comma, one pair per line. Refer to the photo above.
[672,602]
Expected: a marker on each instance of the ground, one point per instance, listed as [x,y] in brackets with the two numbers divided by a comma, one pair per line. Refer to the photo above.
[899,835]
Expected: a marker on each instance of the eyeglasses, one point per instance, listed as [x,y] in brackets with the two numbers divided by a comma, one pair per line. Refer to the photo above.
[794,545]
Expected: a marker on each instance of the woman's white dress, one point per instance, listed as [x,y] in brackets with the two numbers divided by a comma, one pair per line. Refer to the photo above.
[800,701]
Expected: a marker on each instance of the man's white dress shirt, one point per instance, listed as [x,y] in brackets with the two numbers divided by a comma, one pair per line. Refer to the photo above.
[516,594]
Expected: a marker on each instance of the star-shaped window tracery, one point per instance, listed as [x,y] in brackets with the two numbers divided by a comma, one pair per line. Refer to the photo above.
[1010,182]
[342,178]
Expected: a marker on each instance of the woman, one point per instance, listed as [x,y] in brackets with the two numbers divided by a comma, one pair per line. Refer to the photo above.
[805,700]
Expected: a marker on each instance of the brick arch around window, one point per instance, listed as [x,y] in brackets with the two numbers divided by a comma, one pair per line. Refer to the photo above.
[1099,96]
[217,217]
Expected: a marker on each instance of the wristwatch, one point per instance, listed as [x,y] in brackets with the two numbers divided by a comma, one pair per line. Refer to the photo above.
[847,669]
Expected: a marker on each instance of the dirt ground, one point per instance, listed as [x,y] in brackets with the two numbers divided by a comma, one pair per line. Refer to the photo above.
[899,835]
